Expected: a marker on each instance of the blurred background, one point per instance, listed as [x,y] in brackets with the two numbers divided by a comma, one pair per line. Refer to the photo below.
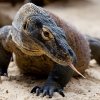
[83,14]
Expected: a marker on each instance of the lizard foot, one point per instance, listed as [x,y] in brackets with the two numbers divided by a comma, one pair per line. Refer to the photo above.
[3,72]
[48,90]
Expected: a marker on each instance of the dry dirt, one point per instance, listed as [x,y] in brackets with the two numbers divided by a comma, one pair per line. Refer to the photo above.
[85,16]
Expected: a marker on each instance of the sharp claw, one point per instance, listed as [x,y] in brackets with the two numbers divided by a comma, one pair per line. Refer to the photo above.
[5,74]
[47,90]
[50,96]
[37,92]
[61,93]
[34,89]
[51,93]
[44,93]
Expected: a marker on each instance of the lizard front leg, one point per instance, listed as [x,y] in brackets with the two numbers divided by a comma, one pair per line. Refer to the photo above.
[5,55]
[57,80]
[4,61]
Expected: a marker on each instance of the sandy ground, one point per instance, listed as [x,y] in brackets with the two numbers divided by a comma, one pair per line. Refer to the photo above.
[85,15]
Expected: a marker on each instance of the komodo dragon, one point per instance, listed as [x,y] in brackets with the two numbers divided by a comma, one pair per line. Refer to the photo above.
[45,46]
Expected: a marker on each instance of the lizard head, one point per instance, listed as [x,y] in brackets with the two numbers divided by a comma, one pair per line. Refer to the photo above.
[40,35]
[35,33]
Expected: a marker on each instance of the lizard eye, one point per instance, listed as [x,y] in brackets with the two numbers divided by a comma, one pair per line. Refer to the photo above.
[46,34]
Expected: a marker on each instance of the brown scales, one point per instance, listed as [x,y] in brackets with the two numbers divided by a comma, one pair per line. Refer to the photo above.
[77,42]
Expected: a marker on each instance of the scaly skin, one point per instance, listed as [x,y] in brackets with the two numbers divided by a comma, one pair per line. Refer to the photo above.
[43,44]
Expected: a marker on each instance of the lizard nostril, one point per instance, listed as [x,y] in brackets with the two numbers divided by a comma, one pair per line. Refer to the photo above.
[24,26]
[70,52]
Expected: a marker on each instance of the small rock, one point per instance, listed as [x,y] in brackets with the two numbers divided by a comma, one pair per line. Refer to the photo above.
[7,91]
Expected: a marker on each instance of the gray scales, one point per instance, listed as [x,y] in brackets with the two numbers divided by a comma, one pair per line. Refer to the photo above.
[44,45]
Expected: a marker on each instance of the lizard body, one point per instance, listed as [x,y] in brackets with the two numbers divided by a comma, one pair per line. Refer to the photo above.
[43,45]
